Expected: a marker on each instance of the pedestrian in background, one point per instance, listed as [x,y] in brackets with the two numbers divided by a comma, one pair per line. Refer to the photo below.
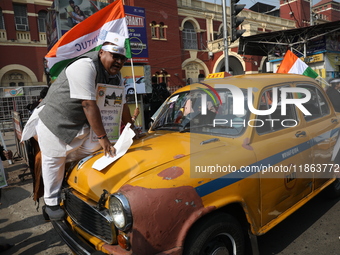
[42,95]
[5,155]
[159,94]
[334,93]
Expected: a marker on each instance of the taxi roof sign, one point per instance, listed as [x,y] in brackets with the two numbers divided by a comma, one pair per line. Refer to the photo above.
[217,75]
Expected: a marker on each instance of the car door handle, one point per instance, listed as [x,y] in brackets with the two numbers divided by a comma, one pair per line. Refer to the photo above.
[300,133]
[334,120]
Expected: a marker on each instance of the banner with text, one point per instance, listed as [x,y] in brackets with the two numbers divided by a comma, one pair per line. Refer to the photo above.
[110,102]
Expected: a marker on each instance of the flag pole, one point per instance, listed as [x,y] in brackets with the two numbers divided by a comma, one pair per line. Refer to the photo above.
[134,81]
[323,80]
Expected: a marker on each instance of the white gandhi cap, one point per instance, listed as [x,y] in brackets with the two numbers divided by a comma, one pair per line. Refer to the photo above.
[116,39]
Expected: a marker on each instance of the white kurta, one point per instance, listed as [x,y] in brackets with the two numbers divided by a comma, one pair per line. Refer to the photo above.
[55,153]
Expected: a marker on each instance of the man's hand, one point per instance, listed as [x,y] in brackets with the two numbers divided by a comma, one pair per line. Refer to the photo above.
[135,113]
[109,150]
[94,118]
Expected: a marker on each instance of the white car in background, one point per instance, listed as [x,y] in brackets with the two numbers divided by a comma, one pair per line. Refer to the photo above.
[129,87]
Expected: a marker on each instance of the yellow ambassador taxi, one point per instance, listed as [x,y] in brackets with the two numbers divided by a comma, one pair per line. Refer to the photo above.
[225,161]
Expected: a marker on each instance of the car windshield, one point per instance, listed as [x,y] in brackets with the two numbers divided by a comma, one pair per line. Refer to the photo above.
[202,111]
[128,80]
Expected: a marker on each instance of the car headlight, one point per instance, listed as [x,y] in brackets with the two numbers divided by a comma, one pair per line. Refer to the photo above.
[120,211]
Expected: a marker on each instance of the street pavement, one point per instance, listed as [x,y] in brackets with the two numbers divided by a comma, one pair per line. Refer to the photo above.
[313,229]
[21,223]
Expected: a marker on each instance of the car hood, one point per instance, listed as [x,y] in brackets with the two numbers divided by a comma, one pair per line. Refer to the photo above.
[144,155]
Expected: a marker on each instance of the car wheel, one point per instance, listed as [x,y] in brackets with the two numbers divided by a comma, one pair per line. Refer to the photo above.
[221,234]
[333,190]
[130,91]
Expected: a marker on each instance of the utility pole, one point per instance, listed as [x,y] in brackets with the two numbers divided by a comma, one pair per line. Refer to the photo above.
[225,36]
[311,12]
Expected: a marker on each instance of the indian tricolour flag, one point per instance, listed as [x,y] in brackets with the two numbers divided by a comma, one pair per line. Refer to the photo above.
[87,36]
[292,64]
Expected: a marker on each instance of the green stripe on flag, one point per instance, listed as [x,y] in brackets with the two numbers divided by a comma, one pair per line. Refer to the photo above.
[59,66]
[310,72]
[128,48]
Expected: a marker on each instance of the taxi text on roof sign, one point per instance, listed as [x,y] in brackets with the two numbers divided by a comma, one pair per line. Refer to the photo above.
[217,75]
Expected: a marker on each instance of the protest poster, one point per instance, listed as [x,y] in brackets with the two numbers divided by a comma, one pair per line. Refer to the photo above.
[110,102]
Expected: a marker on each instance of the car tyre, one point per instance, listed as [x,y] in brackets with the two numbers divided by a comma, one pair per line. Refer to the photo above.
[333,190]
[219,234]
[130,91]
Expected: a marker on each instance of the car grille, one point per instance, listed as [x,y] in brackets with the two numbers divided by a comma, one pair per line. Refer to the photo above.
[89,218]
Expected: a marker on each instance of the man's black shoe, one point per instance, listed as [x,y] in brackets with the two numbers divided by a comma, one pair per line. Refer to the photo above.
[5,247]
[55,212]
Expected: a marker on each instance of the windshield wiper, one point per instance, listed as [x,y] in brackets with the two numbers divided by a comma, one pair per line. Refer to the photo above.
[165,126]
[187,128]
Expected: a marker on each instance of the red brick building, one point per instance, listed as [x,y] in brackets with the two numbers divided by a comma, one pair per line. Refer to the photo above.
[184,37]
[22,42]
[297,10]
[164,43]
[327,10]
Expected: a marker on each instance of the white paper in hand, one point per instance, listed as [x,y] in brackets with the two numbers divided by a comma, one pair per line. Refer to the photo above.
[122,145]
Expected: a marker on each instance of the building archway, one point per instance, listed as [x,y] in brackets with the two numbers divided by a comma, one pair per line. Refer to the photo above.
[17,75]
[194,70]
[263,64]
[236,66]
[191,20]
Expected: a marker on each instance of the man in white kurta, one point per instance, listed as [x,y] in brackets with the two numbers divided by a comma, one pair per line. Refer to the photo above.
[63,133]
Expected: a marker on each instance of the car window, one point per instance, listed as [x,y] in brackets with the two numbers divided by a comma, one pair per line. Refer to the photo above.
[317,105]
[203,111]
[129,80]
[140,80]
[276,120]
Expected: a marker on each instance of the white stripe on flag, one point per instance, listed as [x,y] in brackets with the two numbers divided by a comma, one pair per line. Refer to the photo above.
[89,41]
[298,67]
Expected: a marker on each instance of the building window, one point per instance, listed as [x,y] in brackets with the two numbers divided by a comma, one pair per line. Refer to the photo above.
[219,34]
[2,22]
[42,21]
[21,19]
[189,36]
[162,31]
[154,30]
[16,78]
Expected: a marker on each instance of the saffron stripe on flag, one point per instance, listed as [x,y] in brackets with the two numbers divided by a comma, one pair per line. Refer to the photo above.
[88,35]
[287,62]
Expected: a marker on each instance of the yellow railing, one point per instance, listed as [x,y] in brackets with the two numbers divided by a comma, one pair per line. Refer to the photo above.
[23,36]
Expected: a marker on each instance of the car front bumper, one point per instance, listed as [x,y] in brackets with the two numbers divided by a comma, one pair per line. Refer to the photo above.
[77,245]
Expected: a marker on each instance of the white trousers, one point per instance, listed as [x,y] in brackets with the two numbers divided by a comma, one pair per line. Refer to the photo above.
[53,164]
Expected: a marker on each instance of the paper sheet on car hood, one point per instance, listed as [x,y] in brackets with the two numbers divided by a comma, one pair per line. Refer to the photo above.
[122,145]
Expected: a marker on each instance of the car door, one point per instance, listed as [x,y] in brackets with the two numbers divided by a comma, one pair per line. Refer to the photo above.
[279,150]
[322,128]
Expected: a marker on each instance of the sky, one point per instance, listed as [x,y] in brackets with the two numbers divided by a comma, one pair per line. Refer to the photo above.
[250,3]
